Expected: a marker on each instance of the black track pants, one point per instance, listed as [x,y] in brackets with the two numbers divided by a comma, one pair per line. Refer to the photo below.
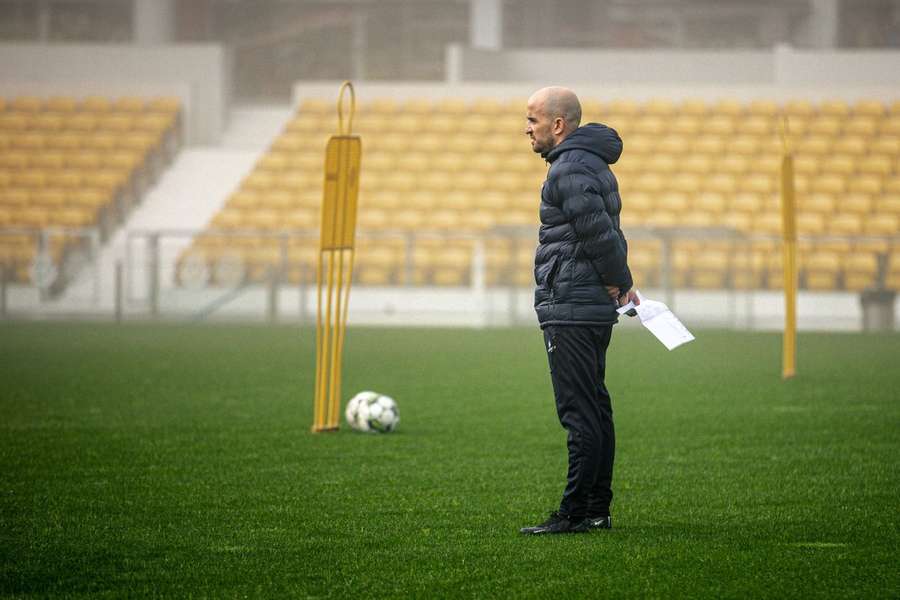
[577,357]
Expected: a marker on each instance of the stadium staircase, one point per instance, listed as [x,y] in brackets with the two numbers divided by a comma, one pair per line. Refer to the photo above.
[694,168]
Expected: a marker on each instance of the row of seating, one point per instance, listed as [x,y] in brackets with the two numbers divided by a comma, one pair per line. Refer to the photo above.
[76,163]
[626,125]
[694,264]
[90,104]
[625,106]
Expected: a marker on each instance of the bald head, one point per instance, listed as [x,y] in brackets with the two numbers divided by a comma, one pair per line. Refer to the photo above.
[553,113]
[559,102]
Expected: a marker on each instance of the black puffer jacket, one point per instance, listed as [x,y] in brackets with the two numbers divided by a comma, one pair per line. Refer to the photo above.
[581,249]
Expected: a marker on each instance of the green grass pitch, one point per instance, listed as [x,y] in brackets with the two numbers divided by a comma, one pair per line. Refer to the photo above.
[177,460]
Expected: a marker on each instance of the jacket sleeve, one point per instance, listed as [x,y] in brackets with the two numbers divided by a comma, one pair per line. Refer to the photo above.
[597,237]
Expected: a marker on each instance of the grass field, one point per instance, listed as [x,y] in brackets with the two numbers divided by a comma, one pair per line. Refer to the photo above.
[175,460]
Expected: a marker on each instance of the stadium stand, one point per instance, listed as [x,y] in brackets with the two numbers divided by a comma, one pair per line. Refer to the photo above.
[69,164]
[454,165]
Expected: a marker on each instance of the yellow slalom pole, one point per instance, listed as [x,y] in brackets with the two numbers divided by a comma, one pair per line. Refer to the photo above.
[789,254]
[335,266]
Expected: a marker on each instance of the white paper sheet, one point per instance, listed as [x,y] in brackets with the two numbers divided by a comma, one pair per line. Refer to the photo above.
[660,321]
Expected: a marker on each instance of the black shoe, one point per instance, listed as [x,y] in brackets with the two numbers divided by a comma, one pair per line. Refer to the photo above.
[558,523]
[600,522]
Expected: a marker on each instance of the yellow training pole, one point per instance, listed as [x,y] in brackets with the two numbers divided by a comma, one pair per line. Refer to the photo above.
[789,254]
[334,272]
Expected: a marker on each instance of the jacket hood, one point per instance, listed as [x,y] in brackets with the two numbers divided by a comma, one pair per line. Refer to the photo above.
[594,138]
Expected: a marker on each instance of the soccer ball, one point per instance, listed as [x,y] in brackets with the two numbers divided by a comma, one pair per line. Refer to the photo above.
[372,412]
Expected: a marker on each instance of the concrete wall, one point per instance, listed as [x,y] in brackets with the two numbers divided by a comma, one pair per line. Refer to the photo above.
[198,74]
[783,66]
[366,91]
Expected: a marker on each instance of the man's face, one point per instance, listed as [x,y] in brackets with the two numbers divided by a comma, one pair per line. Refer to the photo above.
[539,127]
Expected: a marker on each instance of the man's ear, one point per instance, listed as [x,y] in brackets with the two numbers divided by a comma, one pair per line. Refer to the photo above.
[559,125]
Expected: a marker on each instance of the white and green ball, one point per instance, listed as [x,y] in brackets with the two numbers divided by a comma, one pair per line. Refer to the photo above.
[372,412]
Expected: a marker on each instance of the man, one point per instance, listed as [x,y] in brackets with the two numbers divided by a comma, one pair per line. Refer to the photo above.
[582,276]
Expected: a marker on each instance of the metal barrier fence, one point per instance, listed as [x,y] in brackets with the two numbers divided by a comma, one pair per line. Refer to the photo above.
[483,278]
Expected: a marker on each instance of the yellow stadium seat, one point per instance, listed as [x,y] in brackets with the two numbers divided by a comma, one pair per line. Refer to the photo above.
[825,125]
[810,223]
[710,144]
[755,125]
[15,198]
[689,183]
[845,224]
[867,184]
[442,181]
[661,163]
[408,219]
[49,121]
[710,202]
[851,144]
[673,144]
[32,216]
[650,125]
[69,179]
[719,125]
[245,199]
[807,164]
[623,107]
[15,159]
[693,107]
[829,184]
[734,163]
[686,124]
[834,107]
[129,104]
[117,122]
[90,197]
[30,178]
[486,106]
[170,104]
[61,104]
[891,125]
[763,108]
[699,164]
[746,202]
[98,104]
[861,125]
[840,164]
[278,200]
[799,108]
[888,145]
[728,107]
[882,224]
[760,183]
[750,145]
[29,104]
[876,164]
[698,219]
[661,107]
[871,108]
[153,122]
[814,144]
[15,121]
[817,202]
[452,106]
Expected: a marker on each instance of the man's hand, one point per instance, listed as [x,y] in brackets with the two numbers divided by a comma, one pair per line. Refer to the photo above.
[622,299]
[630,296]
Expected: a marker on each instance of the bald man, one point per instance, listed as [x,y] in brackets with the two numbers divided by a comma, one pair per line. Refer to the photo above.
[582,276]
